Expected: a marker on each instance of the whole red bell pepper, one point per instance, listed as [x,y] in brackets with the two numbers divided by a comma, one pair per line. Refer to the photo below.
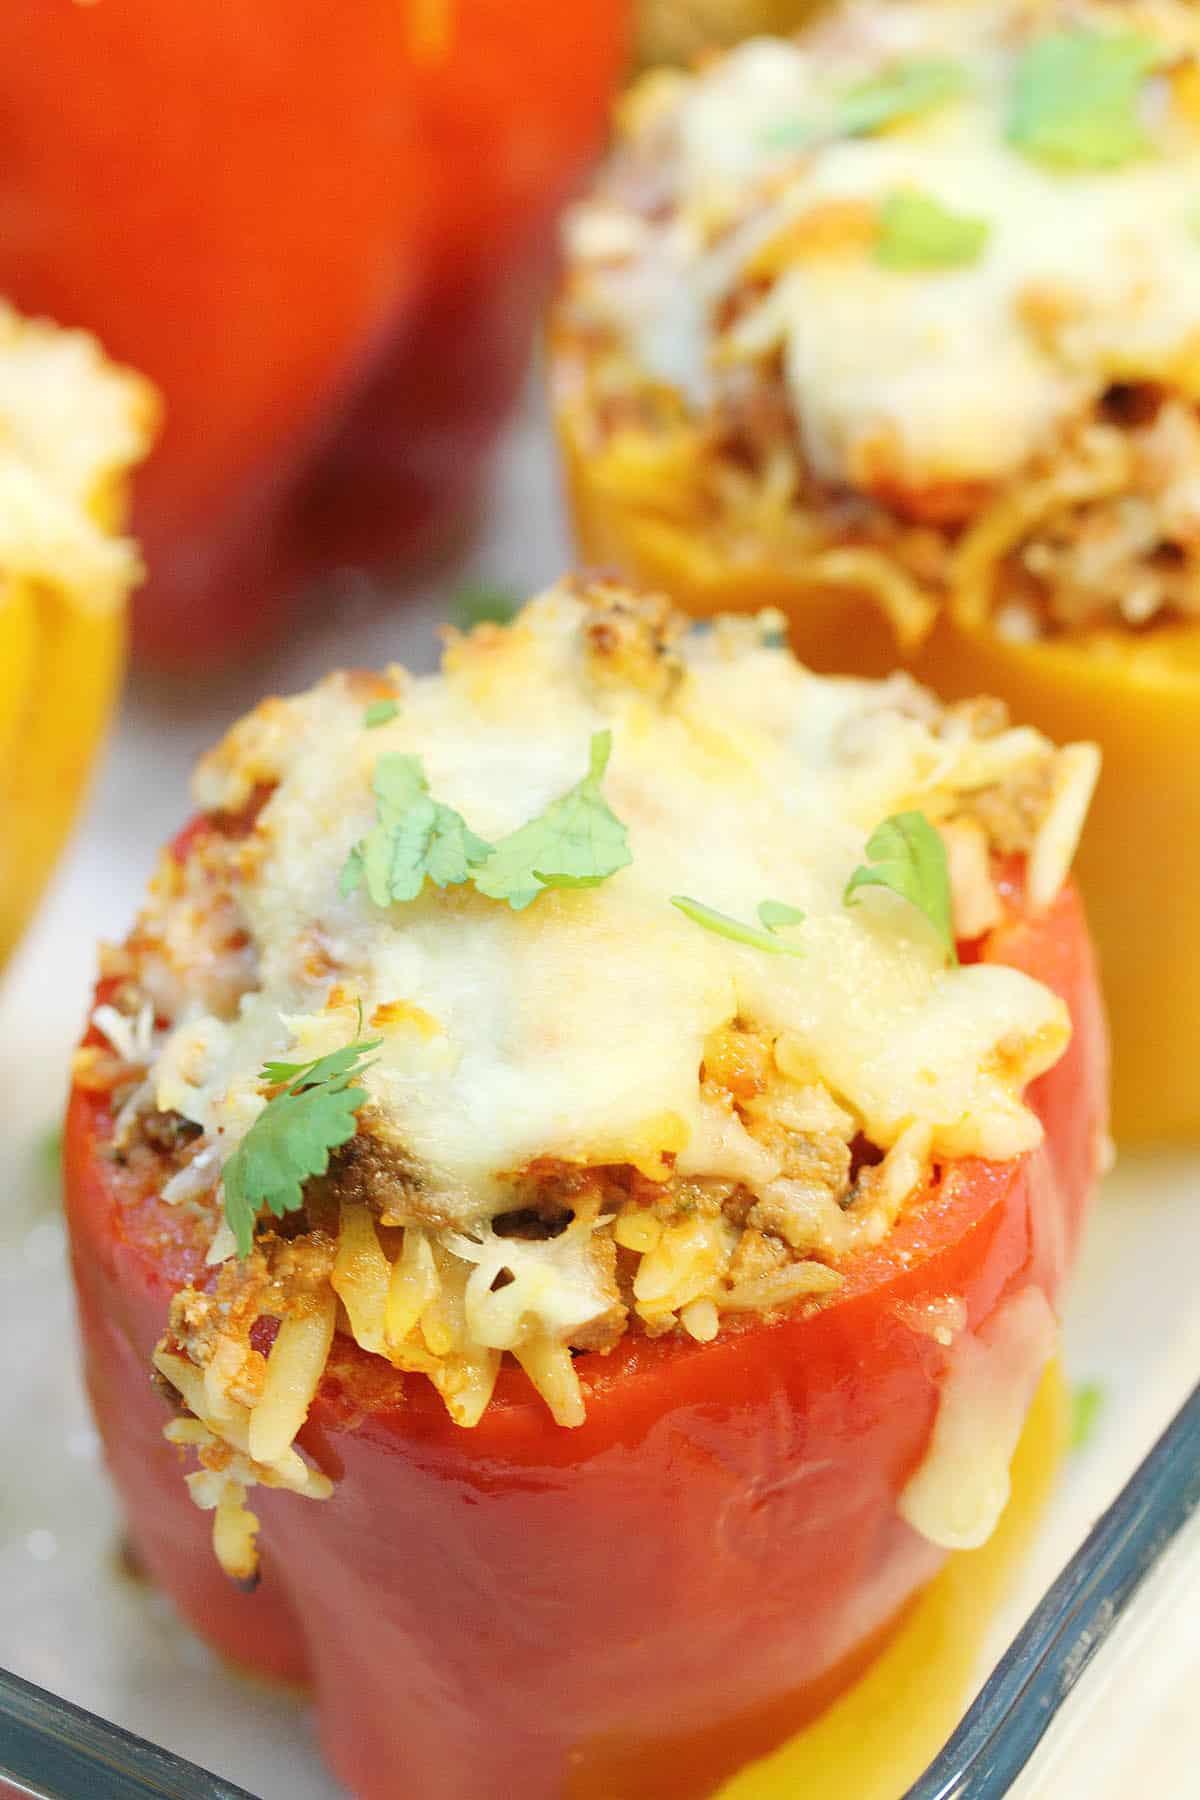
[635,1607]
[321,229]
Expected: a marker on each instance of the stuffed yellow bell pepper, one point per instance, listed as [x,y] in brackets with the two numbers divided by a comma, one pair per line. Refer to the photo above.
[895,325]
[71,427]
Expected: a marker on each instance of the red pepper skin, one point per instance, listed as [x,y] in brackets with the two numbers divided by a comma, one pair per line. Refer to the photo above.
[320,228]
[635,1607]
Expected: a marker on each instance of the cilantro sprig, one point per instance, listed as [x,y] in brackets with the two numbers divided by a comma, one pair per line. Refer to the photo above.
[918,232]
[380,712]
[414,838]
[1076,98]
[483,602]
[313,1113]
[905,89]
[577,842]
[908,856]
[1087,1404]
[772,913]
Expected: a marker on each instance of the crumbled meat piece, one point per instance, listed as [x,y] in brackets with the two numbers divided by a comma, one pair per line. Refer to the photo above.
[738,1204]
[631,646]
[756,1254]
[373,1171]
[608,1327]
[799,1214]
[1126,555]
[1011,812]
[532,1224]
[278,1276]
[691,1198]
[818,1161]
[168,1132]
[754,418]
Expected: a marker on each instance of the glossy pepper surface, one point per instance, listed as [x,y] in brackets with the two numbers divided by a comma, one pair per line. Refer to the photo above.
[640,1605]
[321,229]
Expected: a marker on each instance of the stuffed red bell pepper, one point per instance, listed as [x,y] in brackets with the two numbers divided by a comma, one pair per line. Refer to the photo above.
[590,1143]
[322,230]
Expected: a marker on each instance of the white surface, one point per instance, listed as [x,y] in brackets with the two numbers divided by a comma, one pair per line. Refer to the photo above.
[72,1622]
[1152,1653]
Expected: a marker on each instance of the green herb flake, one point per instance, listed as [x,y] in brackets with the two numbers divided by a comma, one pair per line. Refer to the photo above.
[1076,98]
[313,1114]
[49,1154]
[483,603]
[45,1153]
[1087,1403]
[772,629]
[909,857]
[380,712]
[904,90]
[577,842]
[795,134]
[773,913]
[414,839]
[917,232]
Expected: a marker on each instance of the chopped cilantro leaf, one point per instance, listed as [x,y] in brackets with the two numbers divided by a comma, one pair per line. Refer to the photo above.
[380,712]
[414,838]
[905,89]
[1076,96]
[293,1135]
[577,842]
[774,913]
[46,1169]
[757,939]
[1087,1403]
[321,1069]
[481,602]
[795,134]
[50,1153]
[918,232]
[909,857]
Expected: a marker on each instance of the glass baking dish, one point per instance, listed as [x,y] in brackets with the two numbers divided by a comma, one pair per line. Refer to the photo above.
[1027,1713]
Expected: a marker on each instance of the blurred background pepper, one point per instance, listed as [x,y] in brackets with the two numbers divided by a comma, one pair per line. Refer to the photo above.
[71,428]
[322,230]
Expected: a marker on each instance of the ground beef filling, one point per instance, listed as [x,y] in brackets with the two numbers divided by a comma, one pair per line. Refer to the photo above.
[1116,543]
[660,1255]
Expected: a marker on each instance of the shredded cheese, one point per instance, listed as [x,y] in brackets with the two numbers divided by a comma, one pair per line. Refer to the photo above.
[960,1489]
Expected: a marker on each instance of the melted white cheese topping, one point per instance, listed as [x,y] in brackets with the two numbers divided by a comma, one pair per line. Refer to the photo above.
[956,374]
[576,1028]
[956,1495]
